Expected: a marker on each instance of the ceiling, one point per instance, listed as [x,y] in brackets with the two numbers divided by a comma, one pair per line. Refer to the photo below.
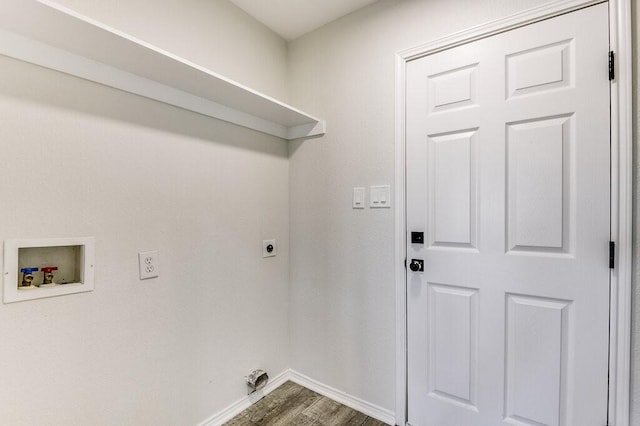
[293,18]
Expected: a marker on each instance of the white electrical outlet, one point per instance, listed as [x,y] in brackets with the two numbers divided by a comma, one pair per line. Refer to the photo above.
[268,248]
[148,261]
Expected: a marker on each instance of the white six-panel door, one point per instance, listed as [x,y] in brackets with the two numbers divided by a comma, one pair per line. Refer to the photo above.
[508,178]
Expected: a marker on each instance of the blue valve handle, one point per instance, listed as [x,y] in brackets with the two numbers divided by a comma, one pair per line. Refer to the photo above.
[29,270]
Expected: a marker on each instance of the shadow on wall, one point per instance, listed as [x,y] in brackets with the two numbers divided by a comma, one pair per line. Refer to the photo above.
[31,83]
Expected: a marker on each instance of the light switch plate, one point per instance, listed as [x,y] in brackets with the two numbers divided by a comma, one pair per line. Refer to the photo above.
[358,198]
[380,197]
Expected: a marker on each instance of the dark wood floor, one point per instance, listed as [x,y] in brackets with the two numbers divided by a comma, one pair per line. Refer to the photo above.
[292,404]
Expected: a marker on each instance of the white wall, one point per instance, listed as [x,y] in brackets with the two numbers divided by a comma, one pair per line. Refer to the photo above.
[77,158]
[342,282]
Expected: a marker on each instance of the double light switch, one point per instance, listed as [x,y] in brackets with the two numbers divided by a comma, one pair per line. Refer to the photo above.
[379,197]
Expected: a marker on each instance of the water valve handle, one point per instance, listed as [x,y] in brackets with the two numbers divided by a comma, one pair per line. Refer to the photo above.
[27,278]
[48,274]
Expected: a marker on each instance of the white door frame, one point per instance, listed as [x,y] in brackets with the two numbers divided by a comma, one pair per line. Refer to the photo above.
[621,190]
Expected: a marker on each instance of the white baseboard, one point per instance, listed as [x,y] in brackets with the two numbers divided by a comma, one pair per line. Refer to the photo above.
[371,410]
[246,402]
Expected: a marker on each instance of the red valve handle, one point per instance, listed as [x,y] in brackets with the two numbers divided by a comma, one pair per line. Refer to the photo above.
[49,269]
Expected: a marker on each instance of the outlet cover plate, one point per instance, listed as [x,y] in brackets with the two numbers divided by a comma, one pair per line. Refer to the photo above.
[148,262]
[265,248]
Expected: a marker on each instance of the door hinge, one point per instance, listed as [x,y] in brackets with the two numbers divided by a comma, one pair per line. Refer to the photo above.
[612,255]
[612,66]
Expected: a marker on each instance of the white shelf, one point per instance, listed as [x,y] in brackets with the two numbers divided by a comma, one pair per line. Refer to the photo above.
[49,35]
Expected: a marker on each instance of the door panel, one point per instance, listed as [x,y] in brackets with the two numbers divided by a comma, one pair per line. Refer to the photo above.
[453,342]
[452,193]
[508,176]
[539,205]
[537,334]
[540,69]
